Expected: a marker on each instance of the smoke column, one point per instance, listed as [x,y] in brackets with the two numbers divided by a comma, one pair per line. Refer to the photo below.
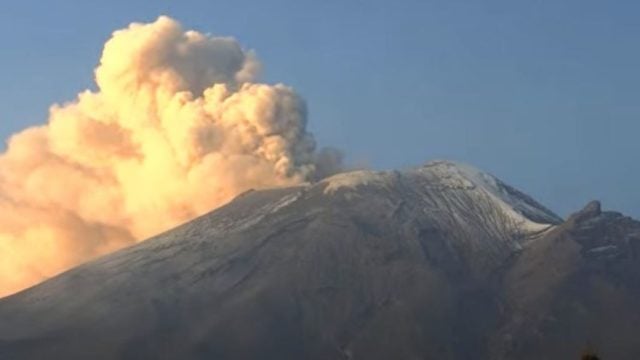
[178,126]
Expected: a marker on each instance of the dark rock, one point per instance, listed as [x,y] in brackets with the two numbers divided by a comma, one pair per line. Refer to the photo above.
[592,210]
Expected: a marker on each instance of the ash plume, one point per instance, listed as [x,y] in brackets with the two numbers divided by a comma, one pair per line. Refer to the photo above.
[178,125]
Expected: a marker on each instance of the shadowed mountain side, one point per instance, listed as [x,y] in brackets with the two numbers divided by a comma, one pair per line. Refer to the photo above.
[578,285]
[440,261]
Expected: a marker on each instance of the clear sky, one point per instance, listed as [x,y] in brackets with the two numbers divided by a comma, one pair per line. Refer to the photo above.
[543,94]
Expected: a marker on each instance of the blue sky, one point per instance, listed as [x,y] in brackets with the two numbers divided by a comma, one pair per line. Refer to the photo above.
[543,94]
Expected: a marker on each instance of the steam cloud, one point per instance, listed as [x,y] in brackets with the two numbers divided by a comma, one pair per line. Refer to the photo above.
[178,126]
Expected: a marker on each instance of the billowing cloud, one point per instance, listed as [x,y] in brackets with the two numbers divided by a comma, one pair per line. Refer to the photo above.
[179,125]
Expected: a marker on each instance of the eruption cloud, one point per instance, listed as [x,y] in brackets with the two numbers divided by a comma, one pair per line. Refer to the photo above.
[179,125]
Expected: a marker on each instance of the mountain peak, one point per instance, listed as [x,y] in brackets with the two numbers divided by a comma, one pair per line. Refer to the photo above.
[591,210]
[512,199]
[448,177]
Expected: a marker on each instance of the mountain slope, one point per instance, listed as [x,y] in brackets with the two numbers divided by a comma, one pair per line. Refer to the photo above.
[441,261]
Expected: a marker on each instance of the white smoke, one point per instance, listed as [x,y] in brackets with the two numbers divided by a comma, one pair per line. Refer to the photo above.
[178,126]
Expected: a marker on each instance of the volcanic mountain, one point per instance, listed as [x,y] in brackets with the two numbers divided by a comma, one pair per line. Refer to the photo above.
[440,261]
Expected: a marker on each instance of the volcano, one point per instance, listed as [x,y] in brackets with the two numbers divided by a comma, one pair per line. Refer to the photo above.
[441,261]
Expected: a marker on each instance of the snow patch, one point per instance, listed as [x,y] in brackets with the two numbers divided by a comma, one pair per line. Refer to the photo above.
[604,249]
[351,180]
[283,202]
[517,206]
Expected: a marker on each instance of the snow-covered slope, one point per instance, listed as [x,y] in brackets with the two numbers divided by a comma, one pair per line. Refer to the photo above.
[517,205]
[449,178]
